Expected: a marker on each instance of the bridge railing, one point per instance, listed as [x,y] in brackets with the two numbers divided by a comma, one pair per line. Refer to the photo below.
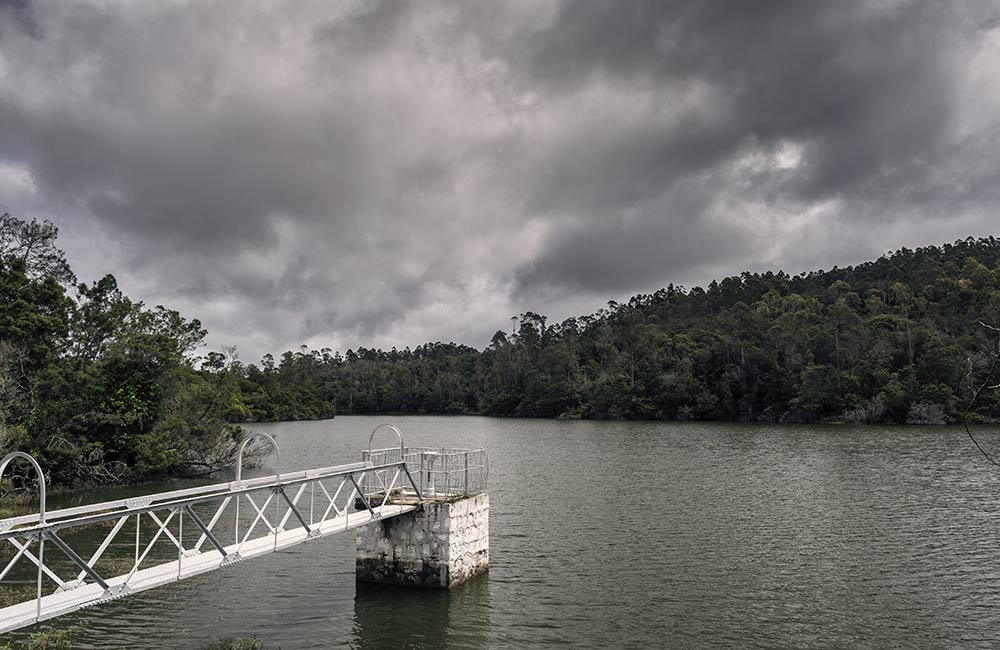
[55,562]
[59,561]
[438,472]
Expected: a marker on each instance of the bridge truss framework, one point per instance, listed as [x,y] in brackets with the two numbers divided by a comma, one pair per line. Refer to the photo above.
[73,558]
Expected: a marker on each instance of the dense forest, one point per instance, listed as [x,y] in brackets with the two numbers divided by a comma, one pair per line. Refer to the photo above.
[897,340]
[100,388]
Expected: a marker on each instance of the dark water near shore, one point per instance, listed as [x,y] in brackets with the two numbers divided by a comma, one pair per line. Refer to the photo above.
[637,535]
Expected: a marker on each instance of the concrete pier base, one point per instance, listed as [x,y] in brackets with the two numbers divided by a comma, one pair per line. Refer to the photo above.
[439,545]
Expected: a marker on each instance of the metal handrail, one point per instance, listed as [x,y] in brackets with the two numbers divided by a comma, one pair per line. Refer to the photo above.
[220,490]
[318,502]
[437,469]
[41,478]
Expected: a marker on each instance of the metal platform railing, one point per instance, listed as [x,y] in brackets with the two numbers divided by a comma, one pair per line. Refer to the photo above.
[438,472]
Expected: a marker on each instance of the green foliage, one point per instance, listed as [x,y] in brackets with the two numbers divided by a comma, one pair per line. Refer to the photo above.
[33,244]
[46,640]
[34,312]
[101,388]
[890,341]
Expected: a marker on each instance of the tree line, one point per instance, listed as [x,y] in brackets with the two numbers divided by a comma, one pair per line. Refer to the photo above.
[896,340]
[102,388]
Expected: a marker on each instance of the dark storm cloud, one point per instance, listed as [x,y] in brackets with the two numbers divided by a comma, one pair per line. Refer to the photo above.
[160,158]
[366,29]
[389,173]
[610,255]
[21,14]
[866,92]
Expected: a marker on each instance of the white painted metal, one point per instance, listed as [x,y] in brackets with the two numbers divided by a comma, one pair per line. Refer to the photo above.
[49,548]
[62,602]
[73,582]
[38,473]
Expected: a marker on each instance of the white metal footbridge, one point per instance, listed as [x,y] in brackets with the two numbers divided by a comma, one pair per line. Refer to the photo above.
[65,560]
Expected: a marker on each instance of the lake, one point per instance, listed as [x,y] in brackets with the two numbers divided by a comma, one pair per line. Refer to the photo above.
[635,535]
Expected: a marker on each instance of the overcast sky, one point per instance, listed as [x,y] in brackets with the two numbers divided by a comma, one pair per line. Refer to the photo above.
[387,173]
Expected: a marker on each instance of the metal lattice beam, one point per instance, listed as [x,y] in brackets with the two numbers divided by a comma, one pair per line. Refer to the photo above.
[150,562]
[145,545]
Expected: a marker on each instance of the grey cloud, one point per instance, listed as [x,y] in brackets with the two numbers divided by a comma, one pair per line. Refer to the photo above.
[22,16]
[350,172]
[861,89]
[636,251]
[867,94]
[367,29]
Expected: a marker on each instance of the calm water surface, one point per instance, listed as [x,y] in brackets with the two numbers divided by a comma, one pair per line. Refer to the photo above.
[636,535]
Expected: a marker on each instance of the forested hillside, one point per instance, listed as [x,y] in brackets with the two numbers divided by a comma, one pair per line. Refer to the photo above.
[895,340]
[98,387]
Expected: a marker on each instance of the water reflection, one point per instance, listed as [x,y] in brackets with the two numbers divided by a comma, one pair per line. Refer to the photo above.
[393,617]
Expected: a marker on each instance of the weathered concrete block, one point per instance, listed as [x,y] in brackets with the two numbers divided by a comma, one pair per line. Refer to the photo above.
[439,545]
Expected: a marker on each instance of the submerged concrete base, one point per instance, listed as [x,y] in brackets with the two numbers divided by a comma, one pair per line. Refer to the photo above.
[439,545]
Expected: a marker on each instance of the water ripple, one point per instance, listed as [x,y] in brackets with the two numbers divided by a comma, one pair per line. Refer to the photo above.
[639,535]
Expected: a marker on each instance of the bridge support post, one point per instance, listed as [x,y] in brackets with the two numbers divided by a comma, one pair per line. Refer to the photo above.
[440,545]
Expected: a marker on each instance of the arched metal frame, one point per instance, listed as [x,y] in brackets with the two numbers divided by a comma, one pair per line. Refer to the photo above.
[41,478]
[395,429]
[239,468]
[402,455]
[243,446]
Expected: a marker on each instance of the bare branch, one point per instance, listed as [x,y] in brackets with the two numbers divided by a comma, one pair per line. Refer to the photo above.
[975,396]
